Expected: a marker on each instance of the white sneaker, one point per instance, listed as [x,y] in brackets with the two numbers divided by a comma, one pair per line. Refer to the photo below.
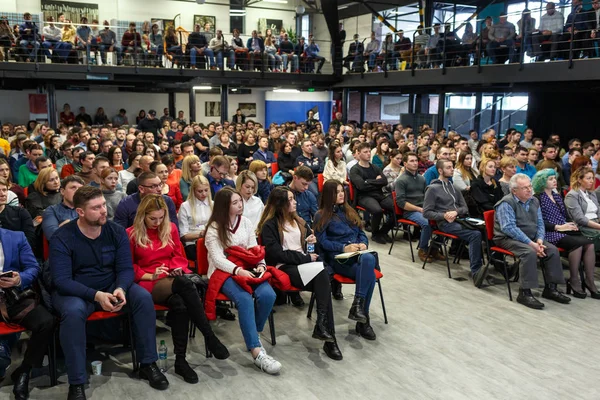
[267,363]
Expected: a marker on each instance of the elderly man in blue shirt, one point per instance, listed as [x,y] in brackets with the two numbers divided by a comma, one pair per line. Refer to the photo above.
[519,228]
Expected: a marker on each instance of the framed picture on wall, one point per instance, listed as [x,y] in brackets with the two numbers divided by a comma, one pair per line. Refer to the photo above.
[274,24]
[212,108]
[202,20]
[167,23]
[73,11]
[248,109]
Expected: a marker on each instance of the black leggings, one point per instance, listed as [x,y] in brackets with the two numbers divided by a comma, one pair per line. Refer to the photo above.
[182,298]
[319,285]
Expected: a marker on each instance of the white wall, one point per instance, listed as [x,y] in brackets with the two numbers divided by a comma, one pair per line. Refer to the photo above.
[362,25]
[15,103]
[144,10]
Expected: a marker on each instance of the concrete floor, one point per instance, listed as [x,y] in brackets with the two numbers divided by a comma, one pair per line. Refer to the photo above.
[445,340]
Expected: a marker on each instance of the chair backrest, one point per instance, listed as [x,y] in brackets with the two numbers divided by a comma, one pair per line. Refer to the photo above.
[351,192]
[201,257]
[274,168]
[488,217]
[46,247]
[397,209]
[26,191]
[320,181]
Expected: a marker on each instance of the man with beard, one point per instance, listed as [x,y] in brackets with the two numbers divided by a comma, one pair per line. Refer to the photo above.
[92,270]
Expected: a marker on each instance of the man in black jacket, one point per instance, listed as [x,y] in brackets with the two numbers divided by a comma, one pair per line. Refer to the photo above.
[355,54]
[150,124]
[369,182]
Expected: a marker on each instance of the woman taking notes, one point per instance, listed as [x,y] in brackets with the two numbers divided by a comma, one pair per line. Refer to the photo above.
[338,230]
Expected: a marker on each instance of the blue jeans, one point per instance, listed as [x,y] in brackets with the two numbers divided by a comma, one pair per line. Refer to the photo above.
[294,57]
[473,237]
[46,44]
[34,47]
[64,50]
[178,53]
[372,59]
[159,53]
[74,312]
[363,272]
[208,53]
[252,318]
[116,48]
[231,56]
[426,230]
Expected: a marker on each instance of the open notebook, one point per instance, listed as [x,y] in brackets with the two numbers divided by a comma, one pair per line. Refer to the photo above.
[344,256]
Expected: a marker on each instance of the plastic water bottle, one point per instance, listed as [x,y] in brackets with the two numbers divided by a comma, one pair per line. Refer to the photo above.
[310,248]
[162,356]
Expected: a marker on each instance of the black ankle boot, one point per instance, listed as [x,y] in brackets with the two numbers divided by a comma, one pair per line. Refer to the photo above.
[76,392]
[20,378]
[366,330]
[332,350]
[183,369]
[526,298]
[296,299]
[357,310]
[336,290]
[320,332]
[217,348]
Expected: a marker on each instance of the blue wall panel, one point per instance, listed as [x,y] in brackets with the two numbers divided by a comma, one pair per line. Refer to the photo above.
[283,111]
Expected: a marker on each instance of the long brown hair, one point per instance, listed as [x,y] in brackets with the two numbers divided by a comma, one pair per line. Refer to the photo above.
[328,203]
[277,207]
[219,219]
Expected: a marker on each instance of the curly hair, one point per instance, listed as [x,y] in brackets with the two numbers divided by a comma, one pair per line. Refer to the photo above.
[540,179]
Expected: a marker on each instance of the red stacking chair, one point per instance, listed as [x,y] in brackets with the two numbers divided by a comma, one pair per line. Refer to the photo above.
[202,262]
[274,169]
[349,281]
[488,217]
[440,239]
[400,225]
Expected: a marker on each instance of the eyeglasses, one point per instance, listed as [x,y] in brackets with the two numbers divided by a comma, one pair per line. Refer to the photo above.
[525,187]
[154,187]
[222,174]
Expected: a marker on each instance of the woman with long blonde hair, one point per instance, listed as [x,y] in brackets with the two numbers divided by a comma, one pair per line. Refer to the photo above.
[194,214]
[159,267]
[190,167]
[46,192]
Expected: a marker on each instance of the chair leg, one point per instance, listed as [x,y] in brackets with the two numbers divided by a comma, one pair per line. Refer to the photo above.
[208,353]
[192,330]
[446,255]
[382,302]
[272,328]
[134,360]
[52,360]
[431,244]
[394,233]
[311,304]
[412,254]
[507,278]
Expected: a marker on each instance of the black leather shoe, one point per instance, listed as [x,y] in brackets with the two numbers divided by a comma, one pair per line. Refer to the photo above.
[20,384]
[152,374]
[387,238]
[76,392]
[183,369]
[332,350]
[526,298]
[320,332]
[296,299]
[378,239]
[336,290]
[217,348]
[357,310]
[551,293]
[366,330]
[225,313]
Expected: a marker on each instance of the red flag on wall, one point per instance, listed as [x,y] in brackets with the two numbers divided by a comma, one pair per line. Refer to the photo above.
[38,107]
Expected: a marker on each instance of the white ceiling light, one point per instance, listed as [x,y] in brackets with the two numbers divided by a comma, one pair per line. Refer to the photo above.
[237,12]
[286,91]
[202,87]
[276,1]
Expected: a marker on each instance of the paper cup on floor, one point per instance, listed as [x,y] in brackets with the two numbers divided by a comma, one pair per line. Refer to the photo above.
[97,367]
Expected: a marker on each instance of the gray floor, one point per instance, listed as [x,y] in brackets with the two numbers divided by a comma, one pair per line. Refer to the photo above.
[445,340]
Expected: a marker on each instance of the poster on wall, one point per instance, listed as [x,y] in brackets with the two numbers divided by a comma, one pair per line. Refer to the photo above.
[202,20]
[274,24]
[212,108]
[73,11]
[248,109]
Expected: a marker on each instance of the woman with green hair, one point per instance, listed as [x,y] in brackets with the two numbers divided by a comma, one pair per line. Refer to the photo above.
[565,234]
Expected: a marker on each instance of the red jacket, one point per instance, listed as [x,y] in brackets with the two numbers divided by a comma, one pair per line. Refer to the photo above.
[247,259]
[146,260]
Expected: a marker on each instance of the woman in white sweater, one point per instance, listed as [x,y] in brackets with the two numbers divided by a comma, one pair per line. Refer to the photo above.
[247,185]
[194,214]
[463,172]
[228,227]
[335,168]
